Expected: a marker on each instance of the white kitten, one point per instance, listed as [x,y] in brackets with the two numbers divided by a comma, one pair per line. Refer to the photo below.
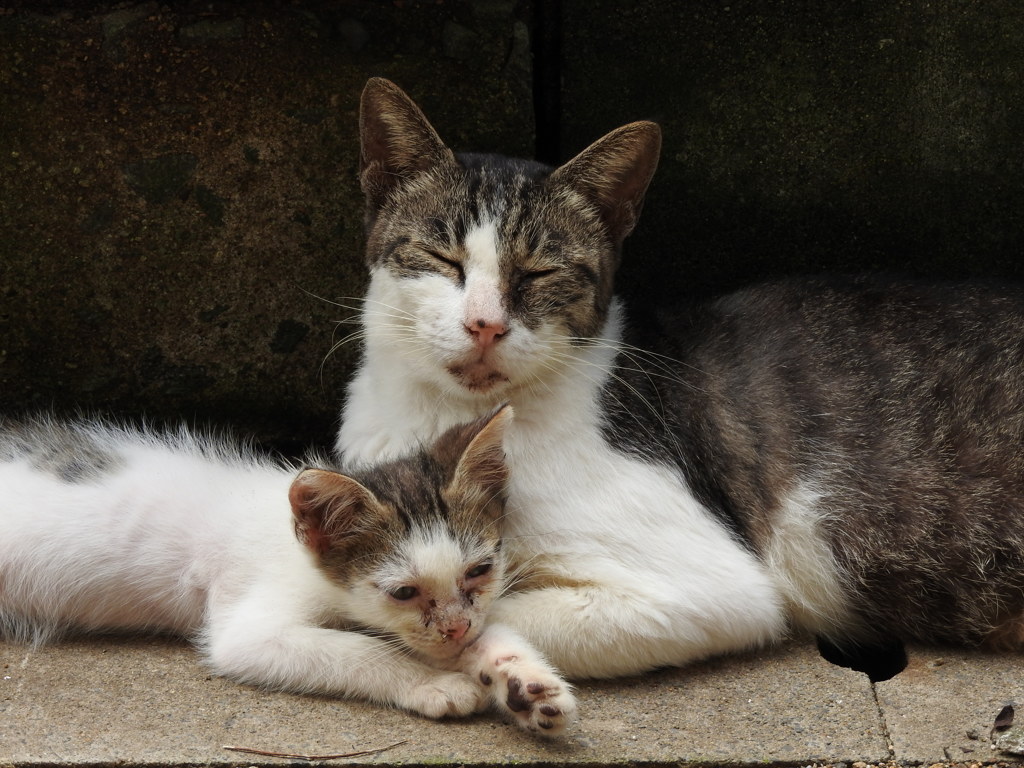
[273,575]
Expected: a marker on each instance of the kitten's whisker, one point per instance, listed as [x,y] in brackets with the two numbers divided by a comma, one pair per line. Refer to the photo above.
[518,574]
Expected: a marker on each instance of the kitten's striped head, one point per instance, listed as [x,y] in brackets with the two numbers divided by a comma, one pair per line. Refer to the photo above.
[486,269]
[415,544]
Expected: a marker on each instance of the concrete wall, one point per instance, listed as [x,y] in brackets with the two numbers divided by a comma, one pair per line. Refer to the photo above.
[803,136]
[180,220]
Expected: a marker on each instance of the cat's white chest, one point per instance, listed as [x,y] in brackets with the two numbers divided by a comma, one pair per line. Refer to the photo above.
[575,496]
[389,415]
[626,543]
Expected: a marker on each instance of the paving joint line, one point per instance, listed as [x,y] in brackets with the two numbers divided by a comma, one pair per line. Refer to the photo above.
[889,745]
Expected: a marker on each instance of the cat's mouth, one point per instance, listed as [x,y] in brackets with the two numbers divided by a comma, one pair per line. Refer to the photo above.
[448,651]
[478,376]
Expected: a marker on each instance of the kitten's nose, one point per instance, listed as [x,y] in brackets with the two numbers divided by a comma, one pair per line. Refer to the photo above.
[486,333]
[456,630]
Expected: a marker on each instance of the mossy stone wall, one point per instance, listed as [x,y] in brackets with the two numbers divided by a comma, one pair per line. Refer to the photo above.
[180,223]
[180,219]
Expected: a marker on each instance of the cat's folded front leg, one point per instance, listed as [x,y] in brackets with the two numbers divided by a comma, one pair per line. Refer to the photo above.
[523,685]
[601,631]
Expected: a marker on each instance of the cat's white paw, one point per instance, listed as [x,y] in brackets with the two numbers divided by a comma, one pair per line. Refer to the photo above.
[446,694]
[532,693]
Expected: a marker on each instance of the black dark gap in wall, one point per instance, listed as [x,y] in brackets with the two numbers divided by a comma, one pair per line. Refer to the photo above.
[547,79]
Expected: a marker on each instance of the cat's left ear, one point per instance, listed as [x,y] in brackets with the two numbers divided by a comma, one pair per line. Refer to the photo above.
[613,174]
[328,507]
[479,447]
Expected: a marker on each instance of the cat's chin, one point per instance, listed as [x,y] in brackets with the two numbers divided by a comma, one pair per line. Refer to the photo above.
[447,653]
[478,378]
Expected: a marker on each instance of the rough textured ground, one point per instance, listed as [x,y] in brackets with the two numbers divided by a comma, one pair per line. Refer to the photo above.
[148,702]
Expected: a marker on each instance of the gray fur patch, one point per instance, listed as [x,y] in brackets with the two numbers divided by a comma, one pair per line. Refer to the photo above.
[69,452]
[902,403]
[421,492]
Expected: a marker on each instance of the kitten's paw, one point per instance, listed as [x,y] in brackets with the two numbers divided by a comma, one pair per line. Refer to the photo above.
[447,694]
[535,696]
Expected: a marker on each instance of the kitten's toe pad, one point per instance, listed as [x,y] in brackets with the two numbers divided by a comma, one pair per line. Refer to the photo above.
[447,695]
[536,697]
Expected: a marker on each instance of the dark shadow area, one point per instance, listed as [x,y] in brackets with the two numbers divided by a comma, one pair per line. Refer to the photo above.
[879,662]
[695,240]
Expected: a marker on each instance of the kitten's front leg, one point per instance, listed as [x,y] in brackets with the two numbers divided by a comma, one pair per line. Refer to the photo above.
[308,659]
[523,685]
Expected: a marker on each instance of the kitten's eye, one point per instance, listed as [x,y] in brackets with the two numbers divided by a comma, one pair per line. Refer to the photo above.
[478,570]
[450,263]
[404,593]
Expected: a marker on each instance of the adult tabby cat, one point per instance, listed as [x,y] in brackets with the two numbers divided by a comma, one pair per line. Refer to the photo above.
[103,528]
[844,455]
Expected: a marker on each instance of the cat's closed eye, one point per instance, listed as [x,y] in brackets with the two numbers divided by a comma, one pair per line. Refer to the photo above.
[526,280]
[449,264]
[535,274]
[404,593]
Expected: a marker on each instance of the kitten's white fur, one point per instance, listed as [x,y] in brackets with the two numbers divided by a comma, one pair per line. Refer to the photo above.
[182,535]
[640,574]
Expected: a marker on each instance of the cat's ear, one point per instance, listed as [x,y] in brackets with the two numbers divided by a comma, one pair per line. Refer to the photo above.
[481,462]
[397,142]
[328,507]
[613,174]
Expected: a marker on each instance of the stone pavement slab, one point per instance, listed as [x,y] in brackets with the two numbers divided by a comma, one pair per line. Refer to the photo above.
[149,702]
[942,706]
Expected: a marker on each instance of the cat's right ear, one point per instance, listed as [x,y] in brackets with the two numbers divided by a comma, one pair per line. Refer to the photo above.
[327,508]
[396,139]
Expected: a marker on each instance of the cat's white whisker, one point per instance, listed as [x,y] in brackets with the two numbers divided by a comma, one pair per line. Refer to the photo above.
[657,411]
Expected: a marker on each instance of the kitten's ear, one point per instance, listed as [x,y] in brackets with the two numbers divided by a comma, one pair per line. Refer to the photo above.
[397,141]
[327,507]
[481,463]
[613,174]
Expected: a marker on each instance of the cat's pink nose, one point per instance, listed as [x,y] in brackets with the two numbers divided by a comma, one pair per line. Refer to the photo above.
[456,630]
[486,333]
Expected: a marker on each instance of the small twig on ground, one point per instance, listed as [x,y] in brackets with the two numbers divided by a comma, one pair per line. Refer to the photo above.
[311,758]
